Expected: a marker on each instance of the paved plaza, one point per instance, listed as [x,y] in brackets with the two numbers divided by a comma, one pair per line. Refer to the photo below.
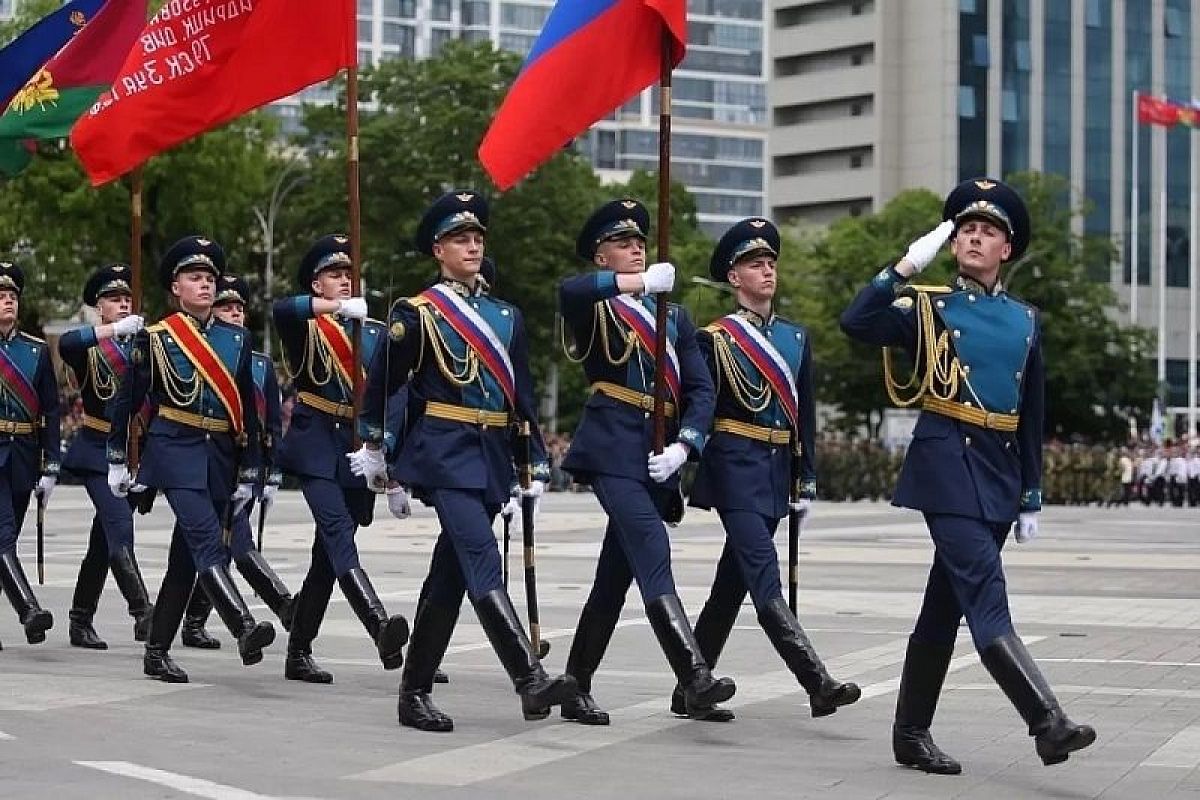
[1108,600]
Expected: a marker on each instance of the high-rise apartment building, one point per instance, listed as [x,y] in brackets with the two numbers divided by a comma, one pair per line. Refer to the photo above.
[871,97]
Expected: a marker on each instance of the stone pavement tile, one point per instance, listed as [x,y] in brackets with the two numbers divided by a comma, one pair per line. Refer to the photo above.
[1144,782]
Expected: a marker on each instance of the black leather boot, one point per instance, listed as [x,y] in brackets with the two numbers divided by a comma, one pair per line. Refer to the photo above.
[33,617]
[432,629]
[825,695]
[194,634]
[128,578]
[440,677]
[592,636]
[701,691]
[266,584]
[539,692]
[82,633]
[223,594]
[1014,669]
[921,680]
[157,663]
[389,633]
[299,666]
[88,586]
[713,627]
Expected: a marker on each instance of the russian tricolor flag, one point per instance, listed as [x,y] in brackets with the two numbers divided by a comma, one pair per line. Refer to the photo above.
[590,58]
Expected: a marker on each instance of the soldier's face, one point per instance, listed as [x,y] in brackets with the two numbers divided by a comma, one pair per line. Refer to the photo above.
[755,276]
[195,288]
[980,246]
[622,255]
[234,313]
[113,307]
[9,302]
[333,284]
[460,254]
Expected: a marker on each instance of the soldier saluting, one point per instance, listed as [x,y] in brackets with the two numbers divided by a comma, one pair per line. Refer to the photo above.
[762,368]
[100,358]
[29,445]
[975,463]
[202,446]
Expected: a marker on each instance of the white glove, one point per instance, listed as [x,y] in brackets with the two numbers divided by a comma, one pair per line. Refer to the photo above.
[1026,527]
[659,277]
[399,502]
[667,463]
[241,496]
[268,496]
[924,250]
[45,486]
[510,509]
[801,506]
[128,326]
[118,479]
[536,489]
[353,308]
[370,465]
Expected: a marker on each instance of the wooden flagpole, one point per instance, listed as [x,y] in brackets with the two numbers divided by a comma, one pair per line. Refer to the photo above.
[352,168]
[135,267]
[664,240]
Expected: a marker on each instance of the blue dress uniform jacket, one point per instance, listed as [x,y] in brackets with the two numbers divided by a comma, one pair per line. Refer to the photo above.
[740,473]
[614,437]
[98,373]
[25,456]
[316,442]
[953,466]
[436,453]
[161,371]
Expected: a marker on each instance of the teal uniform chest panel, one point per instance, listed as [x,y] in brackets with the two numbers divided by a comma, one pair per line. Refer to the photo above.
[639,373]
[226,342]
[259,365]
[789,340]
[24,353]
[484,392]
[334,389]
[992,336]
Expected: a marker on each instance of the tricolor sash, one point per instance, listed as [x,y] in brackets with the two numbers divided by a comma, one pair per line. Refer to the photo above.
[116,359]
[642,323]
[334,336]
[18,387]
[478,335]
[200,353]
[768,360]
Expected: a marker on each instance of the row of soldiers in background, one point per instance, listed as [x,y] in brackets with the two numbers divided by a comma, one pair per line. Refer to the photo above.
[1077,474]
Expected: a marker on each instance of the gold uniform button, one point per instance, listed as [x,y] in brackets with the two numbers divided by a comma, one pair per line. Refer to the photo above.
[941,303]
[957,333]
[967,441]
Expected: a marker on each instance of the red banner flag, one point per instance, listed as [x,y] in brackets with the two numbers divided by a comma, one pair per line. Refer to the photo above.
[201,63]
[591,56]
[1157,111]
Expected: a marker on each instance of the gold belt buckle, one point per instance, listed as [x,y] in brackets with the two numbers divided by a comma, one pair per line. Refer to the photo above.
[989,420]
[481,418]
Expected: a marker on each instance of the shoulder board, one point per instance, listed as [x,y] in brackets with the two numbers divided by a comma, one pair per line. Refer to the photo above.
[157,327]
[261,355]
[713,327]
[928,288]
[31,337]
[416,301]
[373,321]
[789,323]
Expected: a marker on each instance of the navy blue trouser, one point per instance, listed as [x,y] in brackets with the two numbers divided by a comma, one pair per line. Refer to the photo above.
[112,529]
[466,555]
[241,539]
[636,545]
[12,510]
[337,511]
[966,579]
[749,561]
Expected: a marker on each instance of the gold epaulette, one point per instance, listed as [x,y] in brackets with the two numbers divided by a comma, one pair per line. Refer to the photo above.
[713,327]
[32,338]
[927,288]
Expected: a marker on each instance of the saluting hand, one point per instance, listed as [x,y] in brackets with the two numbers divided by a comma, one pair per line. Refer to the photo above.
[659,277]
[924,250]
[353,308]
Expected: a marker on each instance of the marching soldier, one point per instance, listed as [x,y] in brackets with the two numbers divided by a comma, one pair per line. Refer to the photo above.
[29,445]
[315,328]
[99,357]
[230,307]
[974,466]
[762,444]
[201,449]
[611,314]
[464,358]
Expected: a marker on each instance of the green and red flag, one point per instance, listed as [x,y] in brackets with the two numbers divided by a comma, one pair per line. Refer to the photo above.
[49,104]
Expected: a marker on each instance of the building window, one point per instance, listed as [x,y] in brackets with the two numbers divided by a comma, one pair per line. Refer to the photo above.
[475,12]
[400,8]
[1095,14]
[856,161]
[966,102]
[365,7]
[1173,24]
[856,109]
[856,60]
[979,50]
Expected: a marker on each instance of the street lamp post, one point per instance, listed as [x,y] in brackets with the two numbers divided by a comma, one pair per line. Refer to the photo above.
[287,181]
